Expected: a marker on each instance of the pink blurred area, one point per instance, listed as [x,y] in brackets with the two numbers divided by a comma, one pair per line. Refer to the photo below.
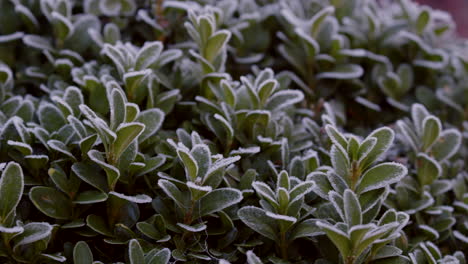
[457,8]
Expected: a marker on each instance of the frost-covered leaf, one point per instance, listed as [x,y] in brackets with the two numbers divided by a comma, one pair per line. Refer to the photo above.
[51,202]
[352,208]
[338,237]
[148,55]
[82,253]
[428,169]
[152,119]
[11,189]
[257,220]
[447,145]
[380,176]
[431,129]
[32,232]
[135,252]
[125,133]
[218,200]
[384,138]
[342,72]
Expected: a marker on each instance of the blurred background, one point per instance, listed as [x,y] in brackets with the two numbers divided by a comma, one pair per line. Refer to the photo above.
[457,8]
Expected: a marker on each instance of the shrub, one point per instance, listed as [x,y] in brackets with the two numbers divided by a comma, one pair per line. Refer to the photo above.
[232,131]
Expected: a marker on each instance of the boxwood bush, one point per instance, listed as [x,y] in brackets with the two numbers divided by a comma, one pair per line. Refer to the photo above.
[232,131]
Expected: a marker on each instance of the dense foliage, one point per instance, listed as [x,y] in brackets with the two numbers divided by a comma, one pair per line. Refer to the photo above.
[232,131]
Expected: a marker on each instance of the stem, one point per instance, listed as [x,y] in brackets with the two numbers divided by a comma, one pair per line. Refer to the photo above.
[160,19]
[228,148]
[355,174]
[283,246]
[7,244]
[188,218]
[188,214]
[349,260]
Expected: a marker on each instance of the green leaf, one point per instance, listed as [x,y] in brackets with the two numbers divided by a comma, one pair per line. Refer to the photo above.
[148,230]
[216,44]
[392,260]
[423,20]
[380,176]
[265,89]
[131,112]
[161,257]
[60,147]
[11,230]
[206,27]
[202,155]
[370,237]
[313,48]
[168,56]
[283,180]
[11,189]
[90,197]
[190,164]
[428,169]
[257,220]
[322,186]
[98,224]
[356,233]
[24,148]
[51,202]
[152,164]
[126,133]
[228,131]
[307,228]
[133,80]
[406,74]
[284,99]
[218,200]
[50,117]
[106,135]
[38,42]
[447,145]
[317,20]
[431,131]
[87,173]
[148,55]
[418,114]
[135,252]
[342,72]
[82,253]
[265,192]
[173,192]
[192,228]
[390,84]
[65,184]
[384,138]
[338,237]
[409,135]
[353,148]
[74,97]
[300,190]
[32,232]
[252,258]
[152,119]
[352,208]
[62,26]
[139,198]
[112,173]
[117,108]
[366,147]
[340,161]
[116,56]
